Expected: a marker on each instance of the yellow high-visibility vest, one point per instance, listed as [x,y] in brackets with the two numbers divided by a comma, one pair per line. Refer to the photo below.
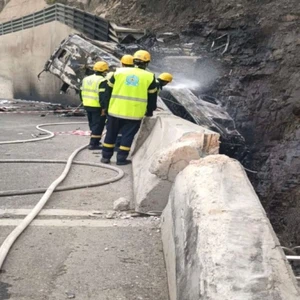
[130,93]
[90,90]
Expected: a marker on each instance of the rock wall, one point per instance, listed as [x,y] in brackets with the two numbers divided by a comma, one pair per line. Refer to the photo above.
[13,9]
[218,242]
[261,91]
[2,4]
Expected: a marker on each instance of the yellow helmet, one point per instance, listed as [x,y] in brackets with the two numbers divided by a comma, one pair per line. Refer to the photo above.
[101,66]
[166,77]
[127,60]
[142,55]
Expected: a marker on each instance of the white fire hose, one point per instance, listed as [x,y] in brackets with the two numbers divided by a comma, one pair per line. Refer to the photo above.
[12,237]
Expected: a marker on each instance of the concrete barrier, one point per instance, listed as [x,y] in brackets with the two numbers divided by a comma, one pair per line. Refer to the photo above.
[218,242]
[164,147]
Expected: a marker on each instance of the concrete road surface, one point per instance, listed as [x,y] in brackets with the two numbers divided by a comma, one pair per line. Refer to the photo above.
[74,249]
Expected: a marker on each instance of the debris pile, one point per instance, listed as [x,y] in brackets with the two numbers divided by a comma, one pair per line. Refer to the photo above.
[42,108]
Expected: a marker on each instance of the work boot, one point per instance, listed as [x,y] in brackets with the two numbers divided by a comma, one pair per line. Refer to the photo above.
[95,147]
[105,160]
[123,162]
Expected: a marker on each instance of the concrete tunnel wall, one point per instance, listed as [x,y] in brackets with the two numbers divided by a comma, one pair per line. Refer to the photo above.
[23,55]
[218,242]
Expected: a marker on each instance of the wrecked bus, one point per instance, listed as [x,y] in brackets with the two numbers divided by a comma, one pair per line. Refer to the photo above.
[75,57]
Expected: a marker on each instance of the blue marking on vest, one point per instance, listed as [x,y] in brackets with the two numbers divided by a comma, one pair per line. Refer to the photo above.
[132,80]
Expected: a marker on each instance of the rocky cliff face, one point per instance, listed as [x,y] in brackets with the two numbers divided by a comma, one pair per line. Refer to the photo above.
[13,9]
[3,3]
[261,91]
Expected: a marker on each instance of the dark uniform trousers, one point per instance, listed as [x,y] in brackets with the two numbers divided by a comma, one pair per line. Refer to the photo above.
[129,128]
[96,124]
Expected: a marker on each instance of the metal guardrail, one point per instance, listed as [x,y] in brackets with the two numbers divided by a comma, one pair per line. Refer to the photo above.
[291,256]
[90,25]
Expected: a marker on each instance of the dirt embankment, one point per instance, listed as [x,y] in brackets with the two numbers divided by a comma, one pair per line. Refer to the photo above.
[259,85]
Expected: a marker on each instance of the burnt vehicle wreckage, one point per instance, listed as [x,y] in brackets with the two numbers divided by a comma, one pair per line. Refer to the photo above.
[76,55]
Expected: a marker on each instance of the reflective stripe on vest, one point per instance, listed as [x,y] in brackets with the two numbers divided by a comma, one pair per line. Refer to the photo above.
[158,87]
[90,90]
[130,93]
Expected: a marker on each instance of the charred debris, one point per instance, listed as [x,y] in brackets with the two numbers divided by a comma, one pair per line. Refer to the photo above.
[76,55]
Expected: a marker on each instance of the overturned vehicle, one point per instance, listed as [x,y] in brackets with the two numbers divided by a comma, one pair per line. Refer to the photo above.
[76,55]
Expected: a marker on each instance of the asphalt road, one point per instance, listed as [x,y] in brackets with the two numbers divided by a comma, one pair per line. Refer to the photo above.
[73,250]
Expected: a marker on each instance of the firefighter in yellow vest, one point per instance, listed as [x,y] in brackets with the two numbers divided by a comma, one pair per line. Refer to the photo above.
[131,95]
[162,80]
[92,92]
[126,62]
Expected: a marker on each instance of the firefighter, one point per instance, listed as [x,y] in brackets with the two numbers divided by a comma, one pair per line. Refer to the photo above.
[163,79]
[92,91]
[131,95]
[127,62]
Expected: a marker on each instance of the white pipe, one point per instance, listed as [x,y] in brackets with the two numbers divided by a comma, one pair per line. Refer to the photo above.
[292,257]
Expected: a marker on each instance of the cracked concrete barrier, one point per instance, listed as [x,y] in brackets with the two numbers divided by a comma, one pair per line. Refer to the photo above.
[218,242]
[164,146]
